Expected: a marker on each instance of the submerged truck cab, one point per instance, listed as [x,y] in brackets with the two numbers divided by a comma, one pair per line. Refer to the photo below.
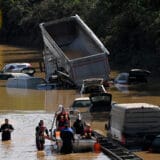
[134,124]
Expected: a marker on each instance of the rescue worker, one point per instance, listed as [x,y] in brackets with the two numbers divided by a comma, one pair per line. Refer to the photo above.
[61,123]
[41,130]
[62,118]
[78,125]
[67,137]
[88,133]
[6,130]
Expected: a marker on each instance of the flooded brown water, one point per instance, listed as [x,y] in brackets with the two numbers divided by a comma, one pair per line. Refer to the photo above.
[25,107]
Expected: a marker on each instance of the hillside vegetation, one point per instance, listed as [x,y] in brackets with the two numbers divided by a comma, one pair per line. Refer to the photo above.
[130,29]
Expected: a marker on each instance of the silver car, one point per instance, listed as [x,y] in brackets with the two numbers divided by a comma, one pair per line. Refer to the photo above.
[15,67]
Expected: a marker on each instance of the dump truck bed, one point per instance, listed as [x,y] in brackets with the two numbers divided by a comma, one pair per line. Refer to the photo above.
[70,43]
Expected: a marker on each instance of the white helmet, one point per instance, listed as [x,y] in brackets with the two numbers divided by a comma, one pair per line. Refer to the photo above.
[60,107]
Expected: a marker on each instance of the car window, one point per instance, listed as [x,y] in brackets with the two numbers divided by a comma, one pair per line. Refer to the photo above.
[21,66]
[101,98]
[123,77]
[84,103]
[93,89]
[156,141]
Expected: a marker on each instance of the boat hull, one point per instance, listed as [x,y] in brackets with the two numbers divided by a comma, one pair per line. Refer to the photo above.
[79,145]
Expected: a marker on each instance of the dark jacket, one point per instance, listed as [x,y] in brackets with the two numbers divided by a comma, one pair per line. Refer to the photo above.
[79,127]
[6,130]
[40,130]
[67,137]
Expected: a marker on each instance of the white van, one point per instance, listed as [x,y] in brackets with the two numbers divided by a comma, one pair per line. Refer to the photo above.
[132,123]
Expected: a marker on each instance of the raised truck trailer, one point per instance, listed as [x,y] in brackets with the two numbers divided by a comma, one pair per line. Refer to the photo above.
[71,47]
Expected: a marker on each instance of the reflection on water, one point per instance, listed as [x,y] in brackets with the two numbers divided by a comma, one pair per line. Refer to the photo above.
[28,99]
[41,104]
[122,88]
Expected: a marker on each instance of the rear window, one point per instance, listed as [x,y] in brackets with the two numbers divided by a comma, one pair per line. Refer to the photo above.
[100,98]
[93,89]
[156,141]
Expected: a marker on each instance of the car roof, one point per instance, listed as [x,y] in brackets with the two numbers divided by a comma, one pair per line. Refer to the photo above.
[17,64]
[93,81]
[82,98]
[135,105]
[158,136]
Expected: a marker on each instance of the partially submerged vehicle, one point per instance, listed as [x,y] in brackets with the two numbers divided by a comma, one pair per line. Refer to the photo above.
[28,82]
[18,68]
[134,124]
[92,85]
[134,76]
[71,44]
[96,102]
[6,76]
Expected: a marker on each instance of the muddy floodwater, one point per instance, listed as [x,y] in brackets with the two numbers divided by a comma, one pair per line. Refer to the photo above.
[25,107]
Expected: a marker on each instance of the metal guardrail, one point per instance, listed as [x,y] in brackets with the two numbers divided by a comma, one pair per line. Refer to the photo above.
[115,150]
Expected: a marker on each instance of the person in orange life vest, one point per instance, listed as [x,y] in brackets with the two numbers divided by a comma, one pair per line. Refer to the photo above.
[61,123]
[88,133]
[61,117]
[41,131]
[67,119]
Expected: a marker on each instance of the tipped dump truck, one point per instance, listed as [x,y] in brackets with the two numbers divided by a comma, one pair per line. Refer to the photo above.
[71,46]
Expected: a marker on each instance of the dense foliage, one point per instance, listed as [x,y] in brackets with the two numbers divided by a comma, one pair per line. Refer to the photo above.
[130,29]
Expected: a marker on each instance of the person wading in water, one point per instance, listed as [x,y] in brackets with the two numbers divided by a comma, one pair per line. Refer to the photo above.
[41,130]
[6,130]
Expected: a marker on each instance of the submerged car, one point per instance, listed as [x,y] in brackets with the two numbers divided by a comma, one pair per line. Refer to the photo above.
[134,76]
[6,76]
[18,68]
[97,102]
[92,85]
[28,83]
